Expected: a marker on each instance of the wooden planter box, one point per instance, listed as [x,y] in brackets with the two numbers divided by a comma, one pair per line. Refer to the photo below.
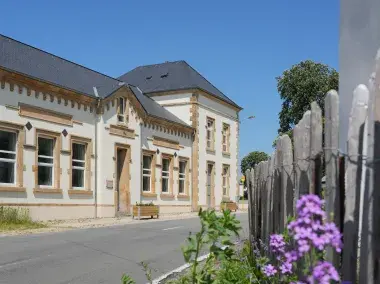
[145,211]
[232,206]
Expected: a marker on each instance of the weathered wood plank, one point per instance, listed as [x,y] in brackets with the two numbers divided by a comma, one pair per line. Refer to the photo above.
[331,194]
[276,187]
[301,134]
[287,177]
[369,262]
[251,217]
[315,149]
[270,197]
[353,179]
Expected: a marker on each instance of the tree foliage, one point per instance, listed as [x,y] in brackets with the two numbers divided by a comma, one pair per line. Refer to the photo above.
[302,84]
[252,159]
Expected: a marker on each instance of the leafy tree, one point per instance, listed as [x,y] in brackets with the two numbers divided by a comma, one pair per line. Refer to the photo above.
[303,83]
[252,159]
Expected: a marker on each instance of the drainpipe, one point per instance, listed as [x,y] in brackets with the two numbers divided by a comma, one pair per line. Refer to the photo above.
[96,152]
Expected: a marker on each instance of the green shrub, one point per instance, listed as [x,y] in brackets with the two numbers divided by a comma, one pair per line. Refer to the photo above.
[9,215]
[17,218]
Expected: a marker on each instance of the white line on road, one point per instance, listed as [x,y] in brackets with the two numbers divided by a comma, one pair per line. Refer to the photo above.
[181,268]
[21,261]
[172,228]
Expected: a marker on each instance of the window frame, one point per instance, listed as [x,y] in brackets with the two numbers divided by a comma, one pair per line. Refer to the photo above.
[78,167]
[14,161]
[19,129]
[169,172]
[152,192]
[87,142]
[147,175]
[226,177]
[42,164]
[56,181]
[226,134]
[185,176]
[210,147]
[122,117]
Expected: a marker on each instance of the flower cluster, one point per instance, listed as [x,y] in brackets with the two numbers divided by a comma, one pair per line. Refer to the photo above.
[323,273]
[311,232]
[277,243]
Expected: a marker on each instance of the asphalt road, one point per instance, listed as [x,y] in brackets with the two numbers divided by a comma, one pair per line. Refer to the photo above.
[99,255]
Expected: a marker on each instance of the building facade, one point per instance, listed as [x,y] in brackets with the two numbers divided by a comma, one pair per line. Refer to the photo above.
[75,143]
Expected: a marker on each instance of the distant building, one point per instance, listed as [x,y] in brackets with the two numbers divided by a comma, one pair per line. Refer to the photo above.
[76,143]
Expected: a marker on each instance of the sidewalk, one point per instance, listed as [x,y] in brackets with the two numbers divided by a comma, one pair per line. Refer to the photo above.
[64,225]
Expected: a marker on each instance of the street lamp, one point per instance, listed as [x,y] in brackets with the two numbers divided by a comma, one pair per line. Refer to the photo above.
[248,118]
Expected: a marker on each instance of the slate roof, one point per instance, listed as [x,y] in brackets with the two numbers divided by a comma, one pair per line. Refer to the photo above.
[24,59]
[169,76]
[154,109]
[27,60]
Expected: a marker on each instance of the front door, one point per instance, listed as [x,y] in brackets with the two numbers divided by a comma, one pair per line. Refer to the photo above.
[210,168]
[123,195]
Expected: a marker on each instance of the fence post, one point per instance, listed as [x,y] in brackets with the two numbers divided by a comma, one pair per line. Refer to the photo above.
[277,200]
[286,180]
[353,181]
[249,174]
[301,134]
[331,194]
[257,202]
[370,235]
[315,149]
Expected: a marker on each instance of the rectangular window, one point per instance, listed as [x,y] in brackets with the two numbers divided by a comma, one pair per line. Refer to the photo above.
[165,175]
[210,133]
[45,161]
[147,173]
[225,139]
[122,111]
[8,142]
[78,160]
[225,179]
[182,177]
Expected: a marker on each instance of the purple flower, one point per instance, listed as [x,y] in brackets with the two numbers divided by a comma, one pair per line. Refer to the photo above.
[277,243]
[323,273]
[269,270]
[286,268]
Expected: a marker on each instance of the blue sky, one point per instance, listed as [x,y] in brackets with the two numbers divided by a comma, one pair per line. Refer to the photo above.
[240,46]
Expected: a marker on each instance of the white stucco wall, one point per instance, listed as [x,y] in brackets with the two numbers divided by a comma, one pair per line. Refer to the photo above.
[185,142]
[178,104]
[106,154]
[84,128]
[221,114]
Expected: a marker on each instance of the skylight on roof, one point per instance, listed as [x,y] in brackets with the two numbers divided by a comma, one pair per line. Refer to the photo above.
[148,78]
[165,75]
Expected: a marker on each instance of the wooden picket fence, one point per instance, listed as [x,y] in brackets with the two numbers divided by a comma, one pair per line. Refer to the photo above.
[352,186]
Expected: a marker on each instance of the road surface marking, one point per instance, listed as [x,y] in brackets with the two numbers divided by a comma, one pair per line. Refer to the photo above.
[181,268]
[172,228]
[21,261]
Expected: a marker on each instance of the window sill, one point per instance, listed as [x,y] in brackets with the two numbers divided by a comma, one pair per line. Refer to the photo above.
[183,196]
[226,154]
[47,190]
[148,194]
[12,189]
[210,151]
[80,191]
[167,195]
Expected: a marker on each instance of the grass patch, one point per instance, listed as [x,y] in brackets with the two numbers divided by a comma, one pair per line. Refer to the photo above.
[17,219]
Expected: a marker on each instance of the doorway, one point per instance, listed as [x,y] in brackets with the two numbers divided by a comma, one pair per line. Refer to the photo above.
[210,185]
[123,196]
